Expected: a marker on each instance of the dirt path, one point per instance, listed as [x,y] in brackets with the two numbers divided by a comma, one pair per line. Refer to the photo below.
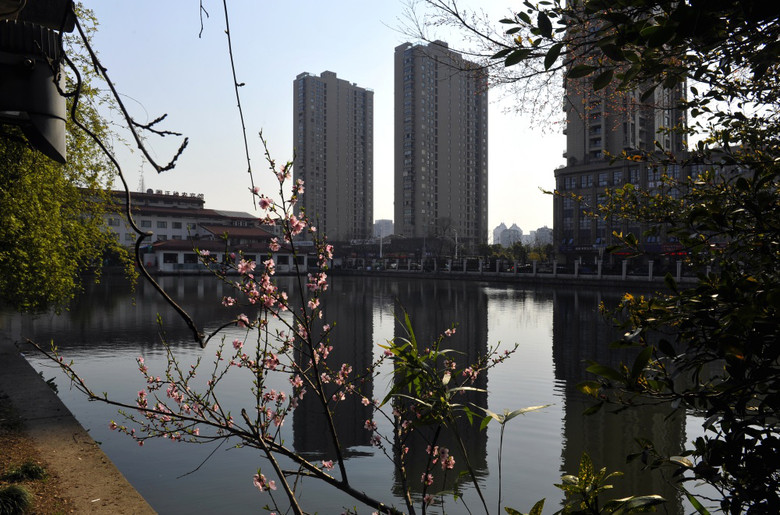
[82,476]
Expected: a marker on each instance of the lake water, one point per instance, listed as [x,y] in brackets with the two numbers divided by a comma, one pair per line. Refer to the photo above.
[556,330]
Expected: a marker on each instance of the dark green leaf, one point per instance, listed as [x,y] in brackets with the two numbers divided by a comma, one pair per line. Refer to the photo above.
[593,409]
[670,282]
[545,27]
[606,372]
[666,347]
[552,55]
[613,52]
[647,94]
[523,16]
[581,70]
[641,362]
[696,504]
[537,509]
[603,80]
[516,56]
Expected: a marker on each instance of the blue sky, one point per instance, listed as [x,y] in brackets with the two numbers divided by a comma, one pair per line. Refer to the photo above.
[159,64]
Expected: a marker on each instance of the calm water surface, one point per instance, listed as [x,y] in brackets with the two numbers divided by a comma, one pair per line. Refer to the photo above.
[556,330]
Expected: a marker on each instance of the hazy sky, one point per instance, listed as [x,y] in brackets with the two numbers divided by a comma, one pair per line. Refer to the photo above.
[154,56]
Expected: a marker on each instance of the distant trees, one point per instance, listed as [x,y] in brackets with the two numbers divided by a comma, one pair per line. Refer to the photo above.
[518,252]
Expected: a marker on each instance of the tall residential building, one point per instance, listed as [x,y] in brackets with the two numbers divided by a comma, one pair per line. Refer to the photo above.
[600,125]
[333,131]
[441,144]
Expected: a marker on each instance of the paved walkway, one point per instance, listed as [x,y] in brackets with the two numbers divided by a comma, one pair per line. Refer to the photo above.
[86,474]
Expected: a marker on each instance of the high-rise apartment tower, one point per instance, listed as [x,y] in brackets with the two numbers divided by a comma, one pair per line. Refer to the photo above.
[333,132]
[600,125]
[441,143]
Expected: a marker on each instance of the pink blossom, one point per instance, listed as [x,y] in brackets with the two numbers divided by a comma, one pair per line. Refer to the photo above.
[428,499]
[274,245]
[271,361]
[448,463]
[237,344]
[265,202]
[327,465]
[262,484]
[365,401]
[449,332]
[243,320]
[245,267]
[370,425]
[296,225]
[205,253]
[471,374]
[296,381]
[427,479]
[228,301]
[112,425]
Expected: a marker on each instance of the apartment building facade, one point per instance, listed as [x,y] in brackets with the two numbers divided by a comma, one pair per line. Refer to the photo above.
[333,132]
[440,145]
[599,126]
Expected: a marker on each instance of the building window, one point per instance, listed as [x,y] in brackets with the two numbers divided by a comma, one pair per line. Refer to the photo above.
[170,257]
[162,225]
[113,222]
[176,225]
[146,223]
[586,181]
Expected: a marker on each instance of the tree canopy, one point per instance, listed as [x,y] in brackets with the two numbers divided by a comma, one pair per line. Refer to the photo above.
[51,215]
[712,348]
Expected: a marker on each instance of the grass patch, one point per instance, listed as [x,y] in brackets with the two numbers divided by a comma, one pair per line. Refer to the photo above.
[27,471]
[14,500]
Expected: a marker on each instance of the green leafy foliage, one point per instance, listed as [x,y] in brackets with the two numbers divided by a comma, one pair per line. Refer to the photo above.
[711,348]
[15,499]
[51,215]
[584,490]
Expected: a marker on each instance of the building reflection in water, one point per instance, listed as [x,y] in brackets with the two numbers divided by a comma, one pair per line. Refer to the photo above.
[579,336]
[112,312]
[348,305]
[111,320]
[433,306]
